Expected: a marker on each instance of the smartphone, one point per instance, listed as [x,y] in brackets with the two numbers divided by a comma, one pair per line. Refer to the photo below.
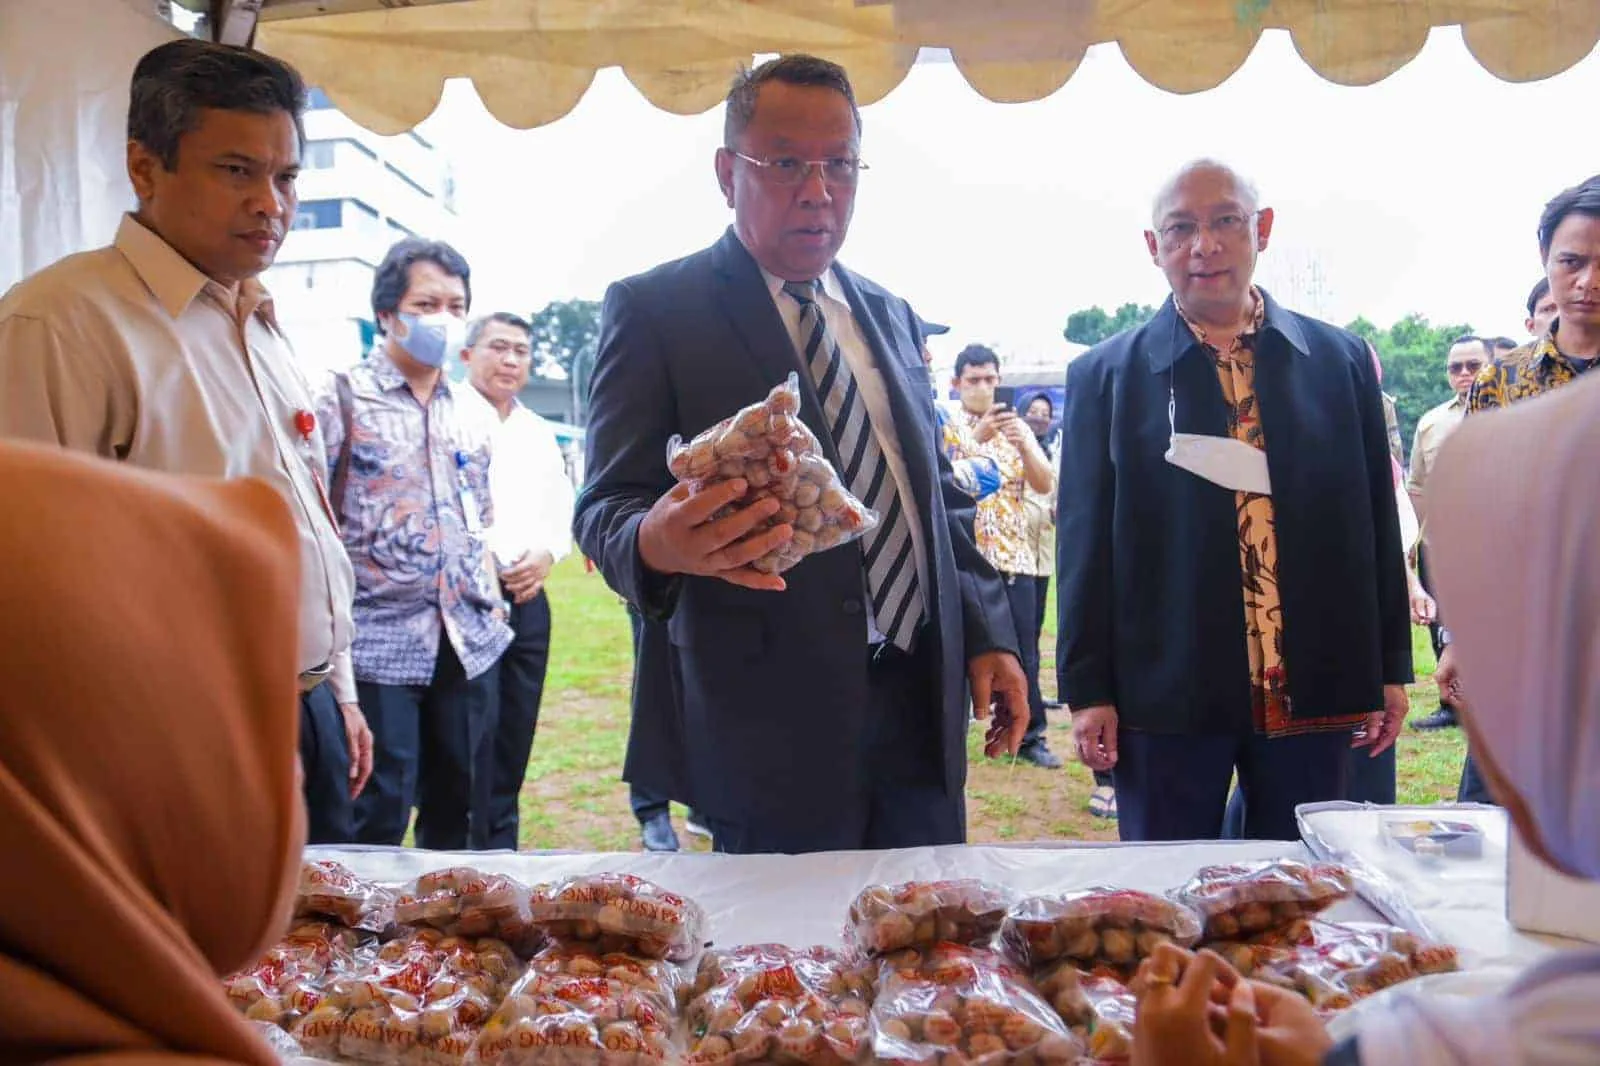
[1005,396]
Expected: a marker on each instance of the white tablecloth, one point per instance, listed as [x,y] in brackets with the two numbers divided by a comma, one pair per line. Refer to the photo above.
[802,899]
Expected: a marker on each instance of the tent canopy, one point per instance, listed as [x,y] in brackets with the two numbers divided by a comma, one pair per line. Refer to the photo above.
[384,62]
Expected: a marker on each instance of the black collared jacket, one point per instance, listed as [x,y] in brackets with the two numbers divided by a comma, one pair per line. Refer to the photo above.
[1150,598]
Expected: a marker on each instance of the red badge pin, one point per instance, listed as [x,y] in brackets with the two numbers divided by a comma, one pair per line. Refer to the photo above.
[304,423]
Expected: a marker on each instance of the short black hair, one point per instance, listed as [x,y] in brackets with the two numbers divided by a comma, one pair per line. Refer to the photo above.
[976,355]
[393,277]
[175,81]
[1581,199]
[796,69]
[505,318]
[1540,291]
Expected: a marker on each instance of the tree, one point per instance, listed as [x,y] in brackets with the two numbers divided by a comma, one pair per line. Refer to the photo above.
[1092,325]
[1413,356]
[566,332]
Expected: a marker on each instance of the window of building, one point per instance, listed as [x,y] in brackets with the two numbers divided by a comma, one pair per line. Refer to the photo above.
[317,100]
[318,214]
[319,155]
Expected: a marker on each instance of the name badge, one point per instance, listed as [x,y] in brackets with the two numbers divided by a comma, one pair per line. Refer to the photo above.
[469,499]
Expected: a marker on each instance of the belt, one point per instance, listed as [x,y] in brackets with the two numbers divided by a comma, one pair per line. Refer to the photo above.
[314,677]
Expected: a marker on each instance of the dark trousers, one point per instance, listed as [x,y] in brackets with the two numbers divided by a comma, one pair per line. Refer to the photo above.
[1370,781]
[522,669]
[1175,786]
[1102,778]
[1434,628]
[427,743]
[1022,592]
[906,805]
[325,761]
[1473,788]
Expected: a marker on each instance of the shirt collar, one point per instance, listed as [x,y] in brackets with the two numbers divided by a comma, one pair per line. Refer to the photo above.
[1171,326]
[175,282]
[387,376]
[1258,316]
[830,285]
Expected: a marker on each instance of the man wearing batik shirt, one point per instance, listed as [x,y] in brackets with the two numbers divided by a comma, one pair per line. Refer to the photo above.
[1569,243]
[1232,588]
[994,432]
[409,471]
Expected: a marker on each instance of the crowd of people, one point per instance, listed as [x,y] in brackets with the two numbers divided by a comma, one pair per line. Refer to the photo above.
[1235,589]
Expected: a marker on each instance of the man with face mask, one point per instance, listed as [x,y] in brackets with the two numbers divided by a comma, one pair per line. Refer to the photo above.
[1232,585]
[409,482]
[163,351]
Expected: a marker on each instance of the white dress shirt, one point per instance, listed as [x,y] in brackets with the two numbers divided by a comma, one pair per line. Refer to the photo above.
[533,497]
[874,394]
[131,353]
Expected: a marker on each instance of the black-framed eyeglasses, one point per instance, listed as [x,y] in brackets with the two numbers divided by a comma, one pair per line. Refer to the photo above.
[1224,227]
[787,170]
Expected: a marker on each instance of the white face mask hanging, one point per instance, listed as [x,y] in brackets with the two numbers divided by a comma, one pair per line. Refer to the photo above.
[1224,461]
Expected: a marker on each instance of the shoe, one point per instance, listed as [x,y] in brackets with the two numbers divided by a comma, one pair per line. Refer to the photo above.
[1103,802]
[1443,718]
[1040,756]
[695,826]
[658,834]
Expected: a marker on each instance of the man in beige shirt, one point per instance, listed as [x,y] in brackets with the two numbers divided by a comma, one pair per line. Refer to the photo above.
[162,351]
[1467,356]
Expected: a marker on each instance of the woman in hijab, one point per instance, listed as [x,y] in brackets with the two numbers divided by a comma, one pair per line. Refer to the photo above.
[1516,502]
[150,822]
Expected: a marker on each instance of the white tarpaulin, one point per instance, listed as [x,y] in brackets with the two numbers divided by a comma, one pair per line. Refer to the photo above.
[532,60]
[64,71]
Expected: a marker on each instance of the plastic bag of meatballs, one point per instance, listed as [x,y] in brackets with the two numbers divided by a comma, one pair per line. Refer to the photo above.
[1244,899]
[1094,926]
[331,890]
[1333,965]
[952,1005]
[461,901]
[885,918]
[770,1003]
[611,913]
[288,980]
[768,446]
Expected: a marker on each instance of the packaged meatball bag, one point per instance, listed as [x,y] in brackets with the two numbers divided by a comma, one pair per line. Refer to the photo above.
[768,446]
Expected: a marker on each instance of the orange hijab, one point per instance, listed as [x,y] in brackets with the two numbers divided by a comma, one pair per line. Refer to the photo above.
[150,819]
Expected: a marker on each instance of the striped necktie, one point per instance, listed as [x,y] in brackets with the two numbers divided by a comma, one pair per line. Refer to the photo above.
[891,565]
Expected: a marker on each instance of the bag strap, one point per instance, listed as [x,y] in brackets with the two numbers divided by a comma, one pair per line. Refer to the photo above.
[341,465]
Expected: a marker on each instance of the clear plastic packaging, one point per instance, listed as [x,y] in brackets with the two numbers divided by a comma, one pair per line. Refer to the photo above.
[619,913]
[1241,900]
[1108,1032]
[768,446]
[886,918]
[1335,964]
[1096,925]
[286,1047]
[464,902]
[288,981]
[953,1005]
[769,1003]
[422,1001]
[566,1010]
[330,890]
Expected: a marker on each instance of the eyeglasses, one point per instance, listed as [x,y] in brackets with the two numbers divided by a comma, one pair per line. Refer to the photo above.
[841,170]
[1223,227]
[503,348]
[1471,366]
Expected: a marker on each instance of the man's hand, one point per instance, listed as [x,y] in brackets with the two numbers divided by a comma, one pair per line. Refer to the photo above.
[1193,1009]
[525,578]
[1448,678]
[1094,732]
[1382,727]
[358,741]
[1291,1034]
[998,682]
[1424,611]
[990,424]
[680,536]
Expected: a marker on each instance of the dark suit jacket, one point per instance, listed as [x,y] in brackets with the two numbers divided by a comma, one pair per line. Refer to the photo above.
[774,685]
[1151,607]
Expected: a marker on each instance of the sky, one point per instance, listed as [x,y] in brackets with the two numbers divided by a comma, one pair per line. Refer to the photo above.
[1419,194]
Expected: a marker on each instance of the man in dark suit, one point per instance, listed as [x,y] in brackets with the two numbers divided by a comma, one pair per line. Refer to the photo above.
[1231,586]
[825,709]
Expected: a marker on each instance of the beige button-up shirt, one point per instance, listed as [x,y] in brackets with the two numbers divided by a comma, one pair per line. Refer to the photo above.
[1432,430]
[131,353]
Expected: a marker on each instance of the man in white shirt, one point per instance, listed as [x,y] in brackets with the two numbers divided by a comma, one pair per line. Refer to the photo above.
[163,351]
[533,500]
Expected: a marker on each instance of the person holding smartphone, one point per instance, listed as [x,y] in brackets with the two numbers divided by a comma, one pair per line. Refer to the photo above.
[989,422]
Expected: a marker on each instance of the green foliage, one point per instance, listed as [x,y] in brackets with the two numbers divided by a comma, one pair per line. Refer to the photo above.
[1413,355]
[1093,325]
[566,332]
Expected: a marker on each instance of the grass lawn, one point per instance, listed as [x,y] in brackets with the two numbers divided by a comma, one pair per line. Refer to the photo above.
[574,796]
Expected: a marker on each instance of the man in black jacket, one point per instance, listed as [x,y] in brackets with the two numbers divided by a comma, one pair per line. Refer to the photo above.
[1232,591]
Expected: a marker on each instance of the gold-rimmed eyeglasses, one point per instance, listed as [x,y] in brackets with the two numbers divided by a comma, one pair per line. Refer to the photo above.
[787,170]
[1224,227]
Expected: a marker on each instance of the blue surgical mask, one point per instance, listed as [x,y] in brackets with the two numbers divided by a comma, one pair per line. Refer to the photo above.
[429,339]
